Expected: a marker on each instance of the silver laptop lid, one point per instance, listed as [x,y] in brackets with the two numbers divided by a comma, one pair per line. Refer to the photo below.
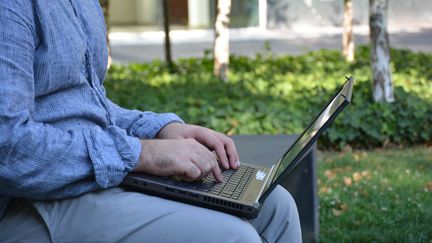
[293,155]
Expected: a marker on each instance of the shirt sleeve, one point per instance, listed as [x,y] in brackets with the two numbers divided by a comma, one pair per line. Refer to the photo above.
[142,124]
[39,161]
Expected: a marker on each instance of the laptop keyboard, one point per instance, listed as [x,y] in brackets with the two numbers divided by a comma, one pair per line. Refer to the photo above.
[232,186]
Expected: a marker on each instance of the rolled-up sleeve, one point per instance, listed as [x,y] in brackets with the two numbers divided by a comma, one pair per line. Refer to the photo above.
[40,161]
[113,154]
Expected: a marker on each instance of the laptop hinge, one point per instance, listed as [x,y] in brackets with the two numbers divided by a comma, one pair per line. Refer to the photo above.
[268,180]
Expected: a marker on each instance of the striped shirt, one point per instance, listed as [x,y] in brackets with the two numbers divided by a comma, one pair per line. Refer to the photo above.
[59,134]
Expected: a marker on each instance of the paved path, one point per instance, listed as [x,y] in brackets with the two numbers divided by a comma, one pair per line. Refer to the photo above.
[146,46]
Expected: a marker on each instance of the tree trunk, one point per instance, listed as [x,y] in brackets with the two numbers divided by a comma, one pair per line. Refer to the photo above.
[221,43]
[105,8]
[348,38]
[168,58]
[380,51]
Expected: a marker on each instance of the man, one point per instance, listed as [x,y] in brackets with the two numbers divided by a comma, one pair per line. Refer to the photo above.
[64,147]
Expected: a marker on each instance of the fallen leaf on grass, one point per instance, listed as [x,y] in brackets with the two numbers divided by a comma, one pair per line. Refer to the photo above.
[428,187]
[384,181]
[336,212]
[364,193]
[356,157]
[366,174]
[325,190]
[340,210]
[330,174]
[347,181]
[357,176]
[344,207]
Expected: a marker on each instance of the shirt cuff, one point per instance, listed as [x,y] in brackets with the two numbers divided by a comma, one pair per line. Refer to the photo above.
[148,127]
[113,153]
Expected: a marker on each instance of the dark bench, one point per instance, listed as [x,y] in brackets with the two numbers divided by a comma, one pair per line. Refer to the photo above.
[302,182]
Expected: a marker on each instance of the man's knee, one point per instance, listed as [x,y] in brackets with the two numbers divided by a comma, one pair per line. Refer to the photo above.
[278,219]
[282,202]
[220,227]
[241,232]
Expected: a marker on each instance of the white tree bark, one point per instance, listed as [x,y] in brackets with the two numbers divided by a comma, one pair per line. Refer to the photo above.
[348,38]
[221,43]
[380,51]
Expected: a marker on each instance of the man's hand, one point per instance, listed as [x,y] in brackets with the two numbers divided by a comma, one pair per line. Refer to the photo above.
[185,158]
[188,151]
[214,141]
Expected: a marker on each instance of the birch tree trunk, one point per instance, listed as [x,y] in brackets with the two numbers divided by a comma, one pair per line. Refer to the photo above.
[221,43]
[380,51]
[348,38]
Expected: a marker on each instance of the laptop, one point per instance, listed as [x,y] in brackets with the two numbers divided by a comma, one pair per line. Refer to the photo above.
[243,191]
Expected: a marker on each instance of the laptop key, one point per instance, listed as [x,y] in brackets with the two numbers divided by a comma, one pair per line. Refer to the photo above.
[233,184]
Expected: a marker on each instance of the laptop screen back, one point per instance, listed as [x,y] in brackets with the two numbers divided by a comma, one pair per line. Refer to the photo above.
[314,129]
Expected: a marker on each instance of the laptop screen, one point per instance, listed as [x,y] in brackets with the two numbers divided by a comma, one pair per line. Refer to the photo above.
[325,117]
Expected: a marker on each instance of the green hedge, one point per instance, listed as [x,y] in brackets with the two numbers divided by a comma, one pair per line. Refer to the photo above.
[281,94]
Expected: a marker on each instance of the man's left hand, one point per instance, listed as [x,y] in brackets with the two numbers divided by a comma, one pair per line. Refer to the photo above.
[221,144]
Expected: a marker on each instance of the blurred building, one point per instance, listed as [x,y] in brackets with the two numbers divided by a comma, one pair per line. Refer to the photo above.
[267,14]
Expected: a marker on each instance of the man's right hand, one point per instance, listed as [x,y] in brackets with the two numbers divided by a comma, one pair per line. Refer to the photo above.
[185,158]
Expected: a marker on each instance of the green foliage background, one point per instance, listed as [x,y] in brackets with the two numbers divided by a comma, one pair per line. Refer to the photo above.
[280,94]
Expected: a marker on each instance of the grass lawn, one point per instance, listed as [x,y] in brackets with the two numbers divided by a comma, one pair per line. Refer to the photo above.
[376,196]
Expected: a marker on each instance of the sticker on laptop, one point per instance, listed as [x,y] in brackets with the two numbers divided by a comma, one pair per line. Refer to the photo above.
[260,175]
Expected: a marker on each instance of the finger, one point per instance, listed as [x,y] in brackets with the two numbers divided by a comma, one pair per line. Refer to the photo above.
[210,164]
[217,173]
[215,169]
[190,172]
[231,152]
[203,158]
[219,148]
[213,141]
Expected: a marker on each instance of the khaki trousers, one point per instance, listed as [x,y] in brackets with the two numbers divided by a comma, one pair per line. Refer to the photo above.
[116,215]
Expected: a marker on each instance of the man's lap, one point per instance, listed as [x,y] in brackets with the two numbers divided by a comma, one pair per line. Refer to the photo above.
[117,215]
[22,222]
